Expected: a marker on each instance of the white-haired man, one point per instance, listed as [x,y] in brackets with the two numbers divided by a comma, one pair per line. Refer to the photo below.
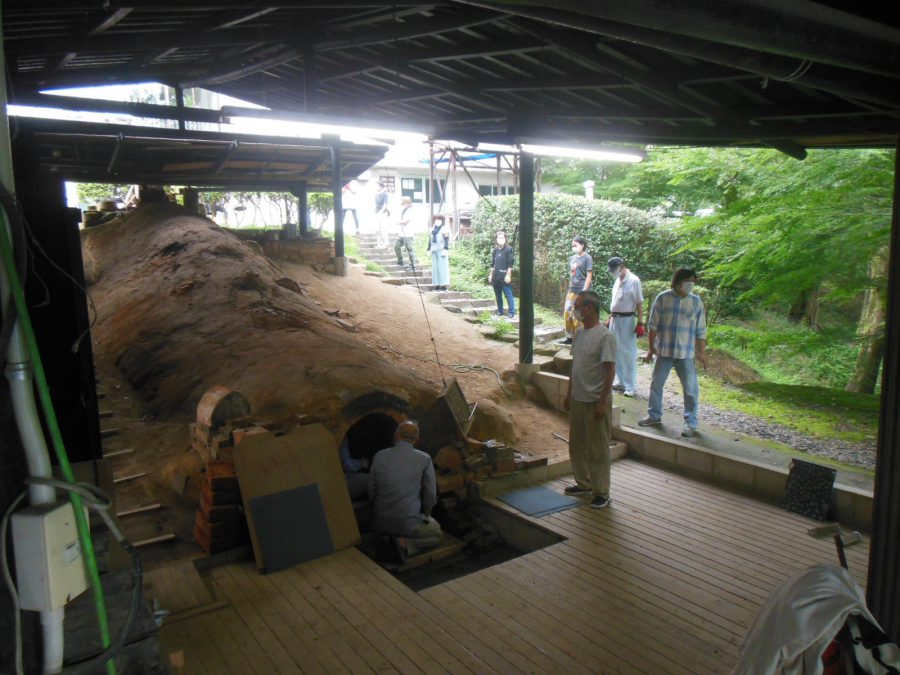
[403,491]
[589,401]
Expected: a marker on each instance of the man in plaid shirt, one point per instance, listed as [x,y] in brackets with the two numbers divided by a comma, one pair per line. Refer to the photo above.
[677,336]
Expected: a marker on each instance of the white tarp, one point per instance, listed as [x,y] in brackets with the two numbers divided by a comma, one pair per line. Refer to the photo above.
[800,619]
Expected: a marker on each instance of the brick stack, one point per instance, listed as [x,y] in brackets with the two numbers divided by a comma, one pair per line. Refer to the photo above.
[220,524]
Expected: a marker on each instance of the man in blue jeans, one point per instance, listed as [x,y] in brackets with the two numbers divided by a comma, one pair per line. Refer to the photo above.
[677,336]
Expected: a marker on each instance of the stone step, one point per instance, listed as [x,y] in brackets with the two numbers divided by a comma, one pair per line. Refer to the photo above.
[424,284]
[452,295]
[466,303]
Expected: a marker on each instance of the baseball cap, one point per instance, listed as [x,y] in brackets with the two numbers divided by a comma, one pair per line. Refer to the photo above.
[615,262]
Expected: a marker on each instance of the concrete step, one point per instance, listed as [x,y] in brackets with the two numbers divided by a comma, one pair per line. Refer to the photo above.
[466,303]
[452,295]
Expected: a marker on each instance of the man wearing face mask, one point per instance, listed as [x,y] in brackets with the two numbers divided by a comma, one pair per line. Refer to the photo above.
[581,270]
[677,336]
[626,313]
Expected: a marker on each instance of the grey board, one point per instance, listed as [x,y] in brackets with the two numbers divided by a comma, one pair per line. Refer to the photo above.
[291,527]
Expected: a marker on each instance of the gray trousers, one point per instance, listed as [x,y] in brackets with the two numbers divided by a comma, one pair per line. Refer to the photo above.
[410,248]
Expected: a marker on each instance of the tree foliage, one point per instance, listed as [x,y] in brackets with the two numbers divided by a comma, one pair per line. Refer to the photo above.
[94,193]
[797,227]
[670,180]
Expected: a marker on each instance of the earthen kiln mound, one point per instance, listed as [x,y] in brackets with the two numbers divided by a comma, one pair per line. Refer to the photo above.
[184,305]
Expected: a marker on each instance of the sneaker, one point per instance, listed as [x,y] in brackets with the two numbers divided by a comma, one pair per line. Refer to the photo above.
[600,502]
[565,341]
[501,313]
[576,490]
[629,394]
[649,422]
[512,315]
[619,388]
[687,432]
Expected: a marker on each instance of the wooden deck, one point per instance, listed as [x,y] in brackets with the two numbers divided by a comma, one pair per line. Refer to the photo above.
[665,580]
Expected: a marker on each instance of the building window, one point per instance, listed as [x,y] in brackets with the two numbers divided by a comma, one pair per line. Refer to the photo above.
[491,190]
[417,190]
[389,183]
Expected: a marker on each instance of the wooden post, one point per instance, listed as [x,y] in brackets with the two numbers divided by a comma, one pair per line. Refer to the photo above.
[337,185]
[883,587]
[179,102]
[526,257]
[300,192]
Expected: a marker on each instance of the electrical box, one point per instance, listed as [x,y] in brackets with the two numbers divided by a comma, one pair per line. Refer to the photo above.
[50,566]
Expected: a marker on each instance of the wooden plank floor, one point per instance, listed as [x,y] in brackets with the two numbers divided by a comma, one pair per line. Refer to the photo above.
[665,580]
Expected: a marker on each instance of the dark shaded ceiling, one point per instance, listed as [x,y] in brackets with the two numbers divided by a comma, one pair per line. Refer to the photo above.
[789,74]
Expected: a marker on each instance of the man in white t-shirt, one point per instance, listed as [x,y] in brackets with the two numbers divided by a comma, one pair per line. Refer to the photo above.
[626,323]
[589,401]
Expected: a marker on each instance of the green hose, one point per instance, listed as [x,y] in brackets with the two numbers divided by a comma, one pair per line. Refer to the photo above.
[81,522]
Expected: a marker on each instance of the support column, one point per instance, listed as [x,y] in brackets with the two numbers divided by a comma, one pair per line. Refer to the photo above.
[341,268]
[526,258]
[883,587]
[302,195]
[60,322]
[179,101]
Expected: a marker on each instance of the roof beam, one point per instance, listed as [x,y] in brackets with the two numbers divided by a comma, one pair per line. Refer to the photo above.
[838,81]
[239,68]
[801,29]
[379,35]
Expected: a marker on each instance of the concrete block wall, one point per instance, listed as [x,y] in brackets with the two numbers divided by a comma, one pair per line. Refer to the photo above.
[313,251]
[852,506]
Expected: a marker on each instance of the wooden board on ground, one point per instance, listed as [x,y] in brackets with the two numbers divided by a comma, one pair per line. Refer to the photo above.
[268,464]
[176,588]
[449,546]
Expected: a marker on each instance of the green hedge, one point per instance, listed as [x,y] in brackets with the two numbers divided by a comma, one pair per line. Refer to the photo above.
[644,241]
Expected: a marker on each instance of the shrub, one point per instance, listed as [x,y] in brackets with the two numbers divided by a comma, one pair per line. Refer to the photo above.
[644,241]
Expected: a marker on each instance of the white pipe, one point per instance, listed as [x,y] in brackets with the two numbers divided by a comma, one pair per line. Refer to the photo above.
[52,623]
[19,373]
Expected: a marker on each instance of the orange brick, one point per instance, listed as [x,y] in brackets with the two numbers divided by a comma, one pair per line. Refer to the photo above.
[222,476]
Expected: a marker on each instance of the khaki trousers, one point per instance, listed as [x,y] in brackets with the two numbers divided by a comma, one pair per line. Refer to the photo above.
[589,446]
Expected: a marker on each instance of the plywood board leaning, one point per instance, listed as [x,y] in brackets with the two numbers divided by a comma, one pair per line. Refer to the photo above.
[307,455]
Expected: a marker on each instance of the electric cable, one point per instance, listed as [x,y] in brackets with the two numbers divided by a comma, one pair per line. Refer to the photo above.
[457,367]
[10,586]
[84,532]
[22,251]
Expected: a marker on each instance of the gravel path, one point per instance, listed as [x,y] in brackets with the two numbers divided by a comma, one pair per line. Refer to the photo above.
[861,454]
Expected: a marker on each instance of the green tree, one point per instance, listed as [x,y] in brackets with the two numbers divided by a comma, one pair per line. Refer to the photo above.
[802,233]
[672,180]
[321,204]
[94,193]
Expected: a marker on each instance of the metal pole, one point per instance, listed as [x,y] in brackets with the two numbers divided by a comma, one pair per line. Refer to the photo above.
[454,231]
[526,257]
[431,181]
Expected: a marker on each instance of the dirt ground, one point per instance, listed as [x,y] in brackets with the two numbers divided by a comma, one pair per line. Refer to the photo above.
[182,306]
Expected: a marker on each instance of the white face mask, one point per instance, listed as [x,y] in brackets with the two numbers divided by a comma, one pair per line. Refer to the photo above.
[687,286]
[578,315]
[614,272]
[576,248]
